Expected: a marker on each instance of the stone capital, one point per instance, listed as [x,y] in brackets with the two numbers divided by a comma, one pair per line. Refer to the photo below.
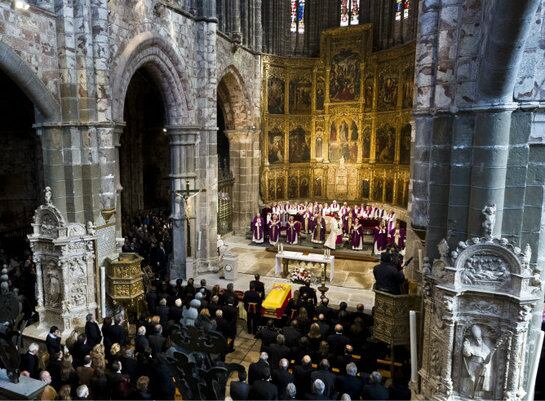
[247,135]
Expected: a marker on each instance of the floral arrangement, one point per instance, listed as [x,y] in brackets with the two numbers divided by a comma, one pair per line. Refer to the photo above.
[300,275]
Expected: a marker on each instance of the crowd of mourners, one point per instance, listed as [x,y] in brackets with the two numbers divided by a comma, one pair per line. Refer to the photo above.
[313,352]
[149,234]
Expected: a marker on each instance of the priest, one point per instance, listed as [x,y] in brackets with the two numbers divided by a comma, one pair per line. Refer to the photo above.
[258,229]
[274,229]
[356,236]
[292,231]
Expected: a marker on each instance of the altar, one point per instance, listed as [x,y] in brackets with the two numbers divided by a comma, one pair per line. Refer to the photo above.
[315,260]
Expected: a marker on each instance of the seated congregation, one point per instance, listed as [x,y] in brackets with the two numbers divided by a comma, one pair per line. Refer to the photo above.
[181,350]
[332,226]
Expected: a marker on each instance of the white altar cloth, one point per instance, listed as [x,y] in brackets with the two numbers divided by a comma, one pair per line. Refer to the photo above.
[311,257]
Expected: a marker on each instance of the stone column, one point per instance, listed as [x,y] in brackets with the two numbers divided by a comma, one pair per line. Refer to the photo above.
[245,157]
[117,132]
[182,168]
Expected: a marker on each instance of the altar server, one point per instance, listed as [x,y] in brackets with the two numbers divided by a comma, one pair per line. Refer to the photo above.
[334,233]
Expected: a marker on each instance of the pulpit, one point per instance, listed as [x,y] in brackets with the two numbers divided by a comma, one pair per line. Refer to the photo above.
[392,317]
[125,284]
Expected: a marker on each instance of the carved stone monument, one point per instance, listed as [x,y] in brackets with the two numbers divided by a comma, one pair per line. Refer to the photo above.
[64,254]
[478,301]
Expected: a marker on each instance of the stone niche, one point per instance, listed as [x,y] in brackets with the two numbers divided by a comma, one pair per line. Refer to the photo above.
[64,254]
[478,302]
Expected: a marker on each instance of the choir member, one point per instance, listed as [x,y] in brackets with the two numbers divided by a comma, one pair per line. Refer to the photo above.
[274,230]
[356,236]
[318,232]
[258,229]
[292,232]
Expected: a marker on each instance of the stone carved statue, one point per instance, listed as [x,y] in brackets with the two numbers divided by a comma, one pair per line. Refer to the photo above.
[489,212]
[478,367]
[47,196]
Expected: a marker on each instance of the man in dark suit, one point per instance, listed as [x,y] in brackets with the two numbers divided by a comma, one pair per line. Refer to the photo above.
[337,341]
[80,349]
[278,350]
[350,383]
[175,311]
[230,313]
[301,375]
[116,333]
[326,310]
[324,326]
[141,341]
[229,292]
[161,381]
[345,358]
[366,317]
[85,372]
[267,334]
[53,341]
[30,362]
[387,277]
[157,341]
[292,334]
[240,390]
[318,388]
[202,289]
[326,376]
[263,389]
[259,286]
[162,311]
[309,293]
[260,369]
[92,331]
[375,390]
[252,305]
[281,377]
[222,325]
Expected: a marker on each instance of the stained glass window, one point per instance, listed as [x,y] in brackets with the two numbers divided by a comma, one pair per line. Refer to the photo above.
[350,12]
[298,16]
[402,9]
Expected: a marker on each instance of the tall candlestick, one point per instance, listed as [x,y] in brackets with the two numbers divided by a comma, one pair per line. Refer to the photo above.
[414,350]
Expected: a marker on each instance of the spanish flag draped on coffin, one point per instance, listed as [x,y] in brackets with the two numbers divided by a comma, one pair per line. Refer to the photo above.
[275,304]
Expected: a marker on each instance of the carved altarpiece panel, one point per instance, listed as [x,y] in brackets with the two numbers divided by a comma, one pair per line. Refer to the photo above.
[478,301]
[64,254]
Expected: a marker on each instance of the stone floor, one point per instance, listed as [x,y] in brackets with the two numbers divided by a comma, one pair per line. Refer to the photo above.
[352,281]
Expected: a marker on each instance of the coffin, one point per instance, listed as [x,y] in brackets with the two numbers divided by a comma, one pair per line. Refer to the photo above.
[275,303]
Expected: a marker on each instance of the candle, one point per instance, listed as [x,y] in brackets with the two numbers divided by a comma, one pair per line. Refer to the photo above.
[414,351]
[199,241]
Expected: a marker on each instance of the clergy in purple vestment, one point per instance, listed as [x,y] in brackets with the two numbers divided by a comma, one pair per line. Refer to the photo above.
[356,236]
[274,230]
[292,232]
[397,236]
[381,238]
[258,229]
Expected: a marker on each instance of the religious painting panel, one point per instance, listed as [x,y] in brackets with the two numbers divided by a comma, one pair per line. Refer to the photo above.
[320,94]
[280,188]
[400,186]
[271,189]
[303,187]
[385,144]
[378,186]
[333,132]
[365,189]
[369,92]
[318,148]
[408,88]
[354,132]
[276,146]
[345,76]
[299,146]
[275,99]
[366,143]
[318,187]
[292,187]
[405,146]
[389,190]
[388,87]
[300,96]
[334,152]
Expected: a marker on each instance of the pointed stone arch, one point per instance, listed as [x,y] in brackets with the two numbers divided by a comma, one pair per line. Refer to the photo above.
[234,100]
[27,80]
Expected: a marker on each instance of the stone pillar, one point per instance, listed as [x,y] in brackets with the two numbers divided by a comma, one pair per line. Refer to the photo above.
[117,132]
[182,167]
[245,159]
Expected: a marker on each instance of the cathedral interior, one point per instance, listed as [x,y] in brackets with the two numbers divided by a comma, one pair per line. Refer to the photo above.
[232,172]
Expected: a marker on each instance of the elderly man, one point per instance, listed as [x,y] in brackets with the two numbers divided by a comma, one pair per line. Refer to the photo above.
[281,377]
[29,361]
[350,383]
[375,390]
[318,388]
[48,393]
[92,331]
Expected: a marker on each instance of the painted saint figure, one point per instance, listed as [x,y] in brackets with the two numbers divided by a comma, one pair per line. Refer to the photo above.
[258,229]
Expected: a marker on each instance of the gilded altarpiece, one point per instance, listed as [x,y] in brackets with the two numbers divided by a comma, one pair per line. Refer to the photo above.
[338,126]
